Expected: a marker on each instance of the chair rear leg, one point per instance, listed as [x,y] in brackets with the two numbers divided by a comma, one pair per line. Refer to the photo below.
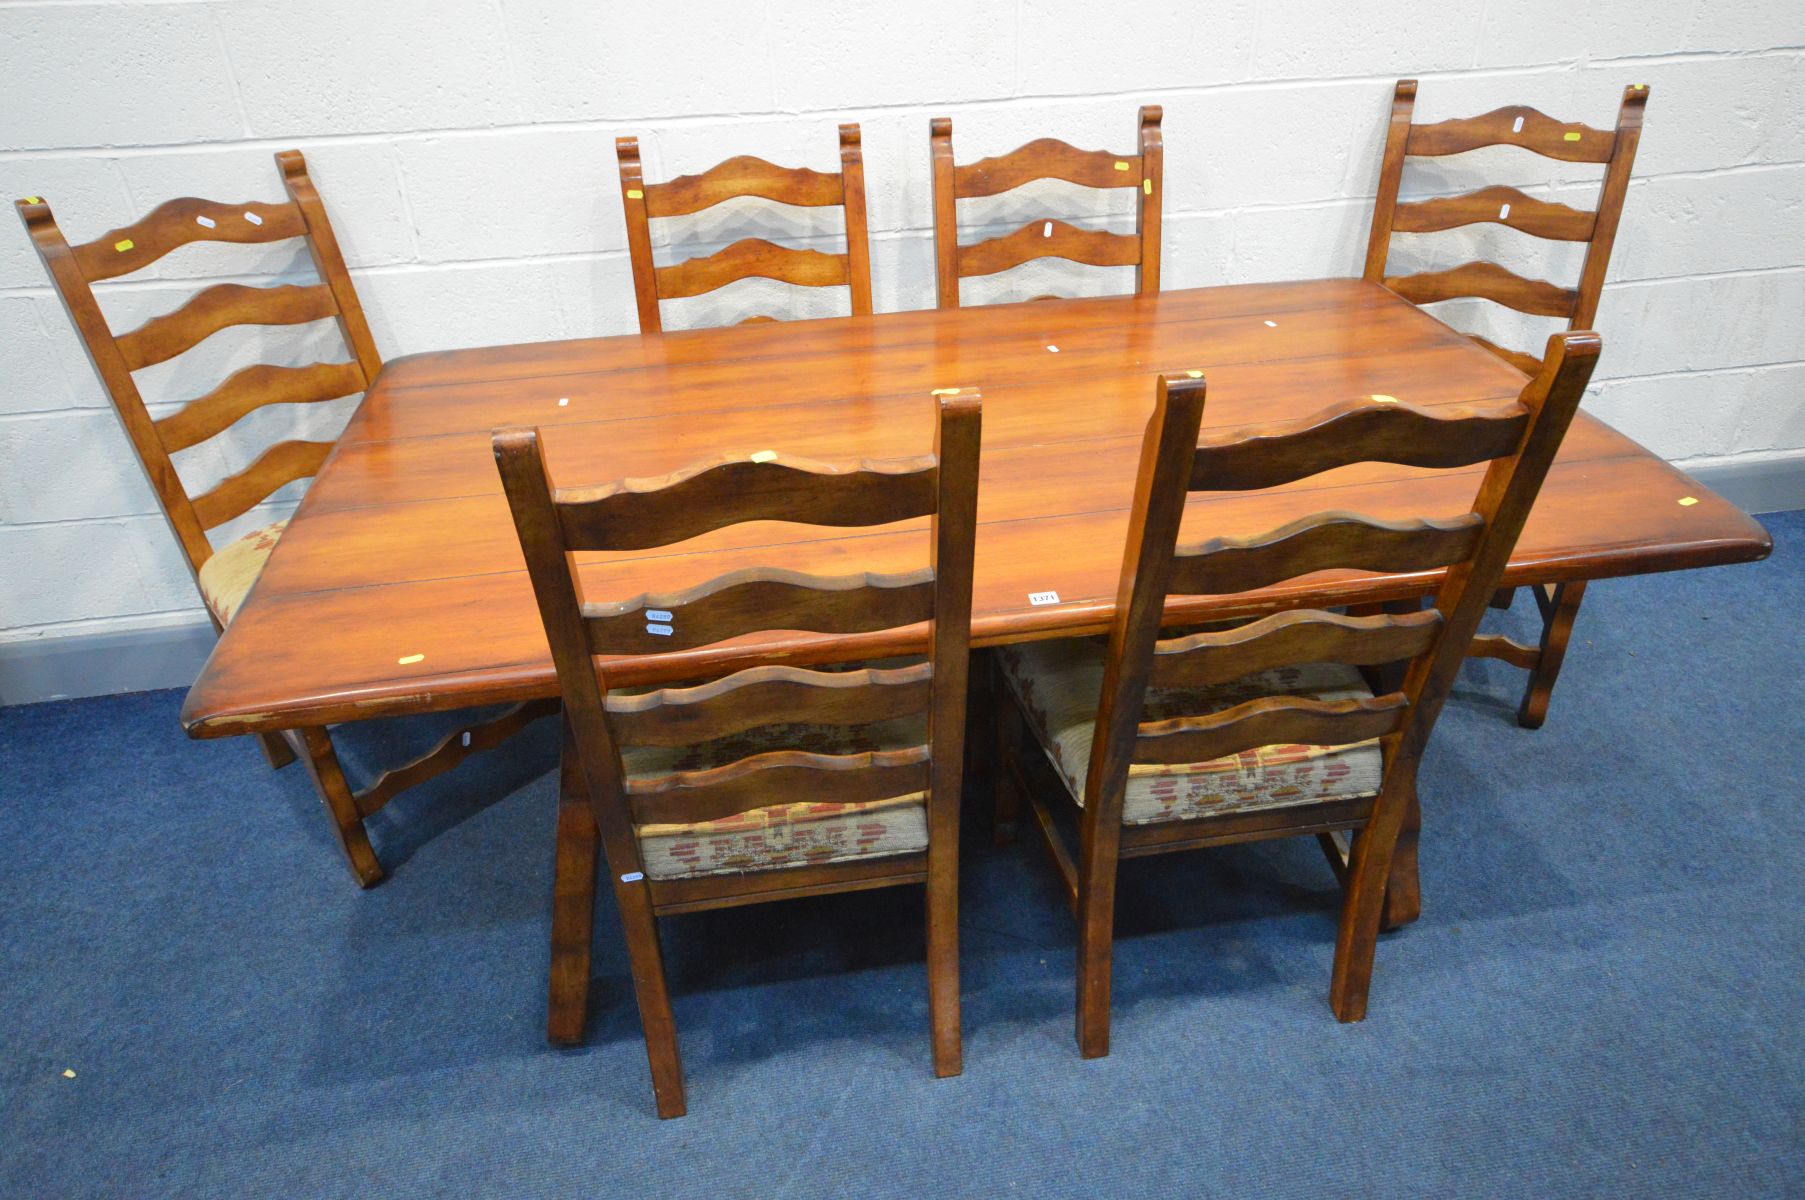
[646,958]
[347,823]
[573,905]
[276,750]
[943,953]
[1096,938]
[1560,607]
[1363,902]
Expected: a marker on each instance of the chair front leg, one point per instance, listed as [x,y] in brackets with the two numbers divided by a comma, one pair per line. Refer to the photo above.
[1560,608]
[347,824]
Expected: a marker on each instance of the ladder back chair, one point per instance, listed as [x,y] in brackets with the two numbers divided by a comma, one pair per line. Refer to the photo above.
[225,574]
[1047,158]
[770,781]
[1267,729]
[750,257]
[1615,150]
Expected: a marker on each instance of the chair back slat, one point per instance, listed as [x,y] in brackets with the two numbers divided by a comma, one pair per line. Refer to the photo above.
[760,598]
[779,777]
[1049,239]
[219,307]
[249,389]
[744,175]
[1269,721]
[1356,431]
[1486,281]
[276,467]
[748,258]
[1322,542]
[75,269]
[176,223]
[638,514]
[1498,205]
[1533,131]
[1287,638]
[746,700]
[553,523]
[1047,158]
[1514,125]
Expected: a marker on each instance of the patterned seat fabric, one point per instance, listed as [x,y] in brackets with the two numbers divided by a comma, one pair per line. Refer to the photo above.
[226,577]
[1058,683]
[786,835]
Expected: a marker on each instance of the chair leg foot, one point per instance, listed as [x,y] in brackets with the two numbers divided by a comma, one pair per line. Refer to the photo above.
[573,907]
[341,805]
[1560,610]
[1093,999]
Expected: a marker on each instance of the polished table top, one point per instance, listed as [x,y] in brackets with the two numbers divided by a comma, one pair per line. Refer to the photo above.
[399,585]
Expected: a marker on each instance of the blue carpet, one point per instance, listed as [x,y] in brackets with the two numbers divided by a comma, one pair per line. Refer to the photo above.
[1604,996]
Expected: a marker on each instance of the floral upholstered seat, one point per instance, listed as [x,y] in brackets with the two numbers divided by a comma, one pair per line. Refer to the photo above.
[786,835]
[227,576]
[1059,681]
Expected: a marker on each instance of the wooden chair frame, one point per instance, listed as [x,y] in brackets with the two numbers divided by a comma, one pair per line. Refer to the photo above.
[601,803]
[1047,158]
[75,269]
[1519,440]
[1615,149]
[748,257]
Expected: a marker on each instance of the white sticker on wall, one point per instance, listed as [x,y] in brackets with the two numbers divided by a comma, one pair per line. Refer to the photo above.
[658,614]
[1039,598]
[659,630]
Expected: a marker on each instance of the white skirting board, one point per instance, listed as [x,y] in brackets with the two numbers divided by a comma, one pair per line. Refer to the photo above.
[103,664]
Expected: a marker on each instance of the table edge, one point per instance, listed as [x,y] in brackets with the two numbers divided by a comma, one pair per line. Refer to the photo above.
[517,682]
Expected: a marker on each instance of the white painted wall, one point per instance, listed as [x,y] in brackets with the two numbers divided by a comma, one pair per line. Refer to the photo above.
[464,150]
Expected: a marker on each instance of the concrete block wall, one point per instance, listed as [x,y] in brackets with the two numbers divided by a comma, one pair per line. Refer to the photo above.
[465,153]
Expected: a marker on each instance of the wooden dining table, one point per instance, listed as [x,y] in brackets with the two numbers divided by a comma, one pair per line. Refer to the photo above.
[399,585]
